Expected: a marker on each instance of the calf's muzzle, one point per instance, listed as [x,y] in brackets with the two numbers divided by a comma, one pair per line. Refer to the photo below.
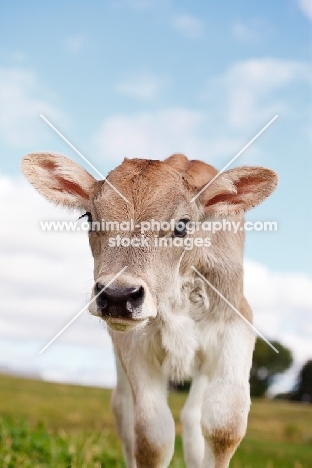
[119,302]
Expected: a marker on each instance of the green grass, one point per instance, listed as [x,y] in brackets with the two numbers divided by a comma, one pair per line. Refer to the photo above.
[52,425]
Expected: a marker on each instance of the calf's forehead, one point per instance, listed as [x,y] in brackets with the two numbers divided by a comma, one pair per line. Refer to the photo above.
[153,190]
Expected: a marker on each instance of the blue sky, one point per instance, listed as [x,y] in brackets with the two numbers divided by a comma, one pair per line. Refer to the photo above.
[149,78]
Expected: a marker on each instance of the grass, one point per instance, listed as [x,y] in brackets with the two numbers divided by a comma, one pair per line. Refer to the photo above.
[53,425]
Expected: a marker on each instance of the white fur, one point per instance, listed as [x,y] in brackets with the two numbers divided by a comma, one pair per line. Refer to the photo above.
[218,356]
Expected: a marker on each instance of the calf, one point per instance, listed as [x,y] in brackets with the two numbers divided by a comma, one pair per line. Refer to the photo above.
[168,306]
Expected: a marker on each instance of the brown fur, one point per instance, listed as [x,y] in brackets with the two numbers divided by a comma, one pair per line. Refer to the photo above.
[197,173]
[223,443]
[147,455]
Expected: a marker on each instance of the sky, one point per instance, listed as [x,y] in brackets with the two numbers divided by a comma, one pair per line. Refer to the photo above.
[140,78]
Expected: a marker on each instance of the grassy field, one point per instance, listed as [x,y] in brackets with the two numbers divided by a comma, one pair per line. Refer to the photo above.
[52,425]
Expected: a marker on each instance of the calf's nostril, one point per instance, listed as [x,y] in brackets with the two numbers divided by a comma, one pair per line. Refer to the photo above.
[137,294]
[135,298]
[101,299]
[102,303]
[98,287]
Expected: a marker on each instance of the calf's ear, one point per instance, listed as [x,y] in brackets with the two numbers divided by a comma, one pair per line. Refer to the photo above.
[238,190]
[59,179]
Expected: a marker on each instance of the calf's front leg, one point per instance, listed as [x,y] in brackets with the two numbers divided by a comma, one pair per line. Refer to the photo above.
[122,406]
[154,429]
[193,440]
[226,400]
[154,426]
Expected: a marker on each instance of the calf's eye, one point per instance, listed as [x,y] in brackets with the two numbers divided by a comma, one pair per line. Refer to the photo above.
[180,229]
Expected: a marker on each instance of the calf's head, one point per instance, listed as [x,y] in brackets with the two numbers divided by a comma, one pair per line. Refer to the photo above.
[133,272]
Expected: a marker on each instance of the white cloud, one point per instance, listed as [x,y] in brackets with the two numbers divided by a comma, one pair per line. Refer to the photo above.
[249,89]
[149,135]
[306,7]
[143,86]
[282,308]
[189,26]
[20,106]
[75,44]
[244,98]
[157,135]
